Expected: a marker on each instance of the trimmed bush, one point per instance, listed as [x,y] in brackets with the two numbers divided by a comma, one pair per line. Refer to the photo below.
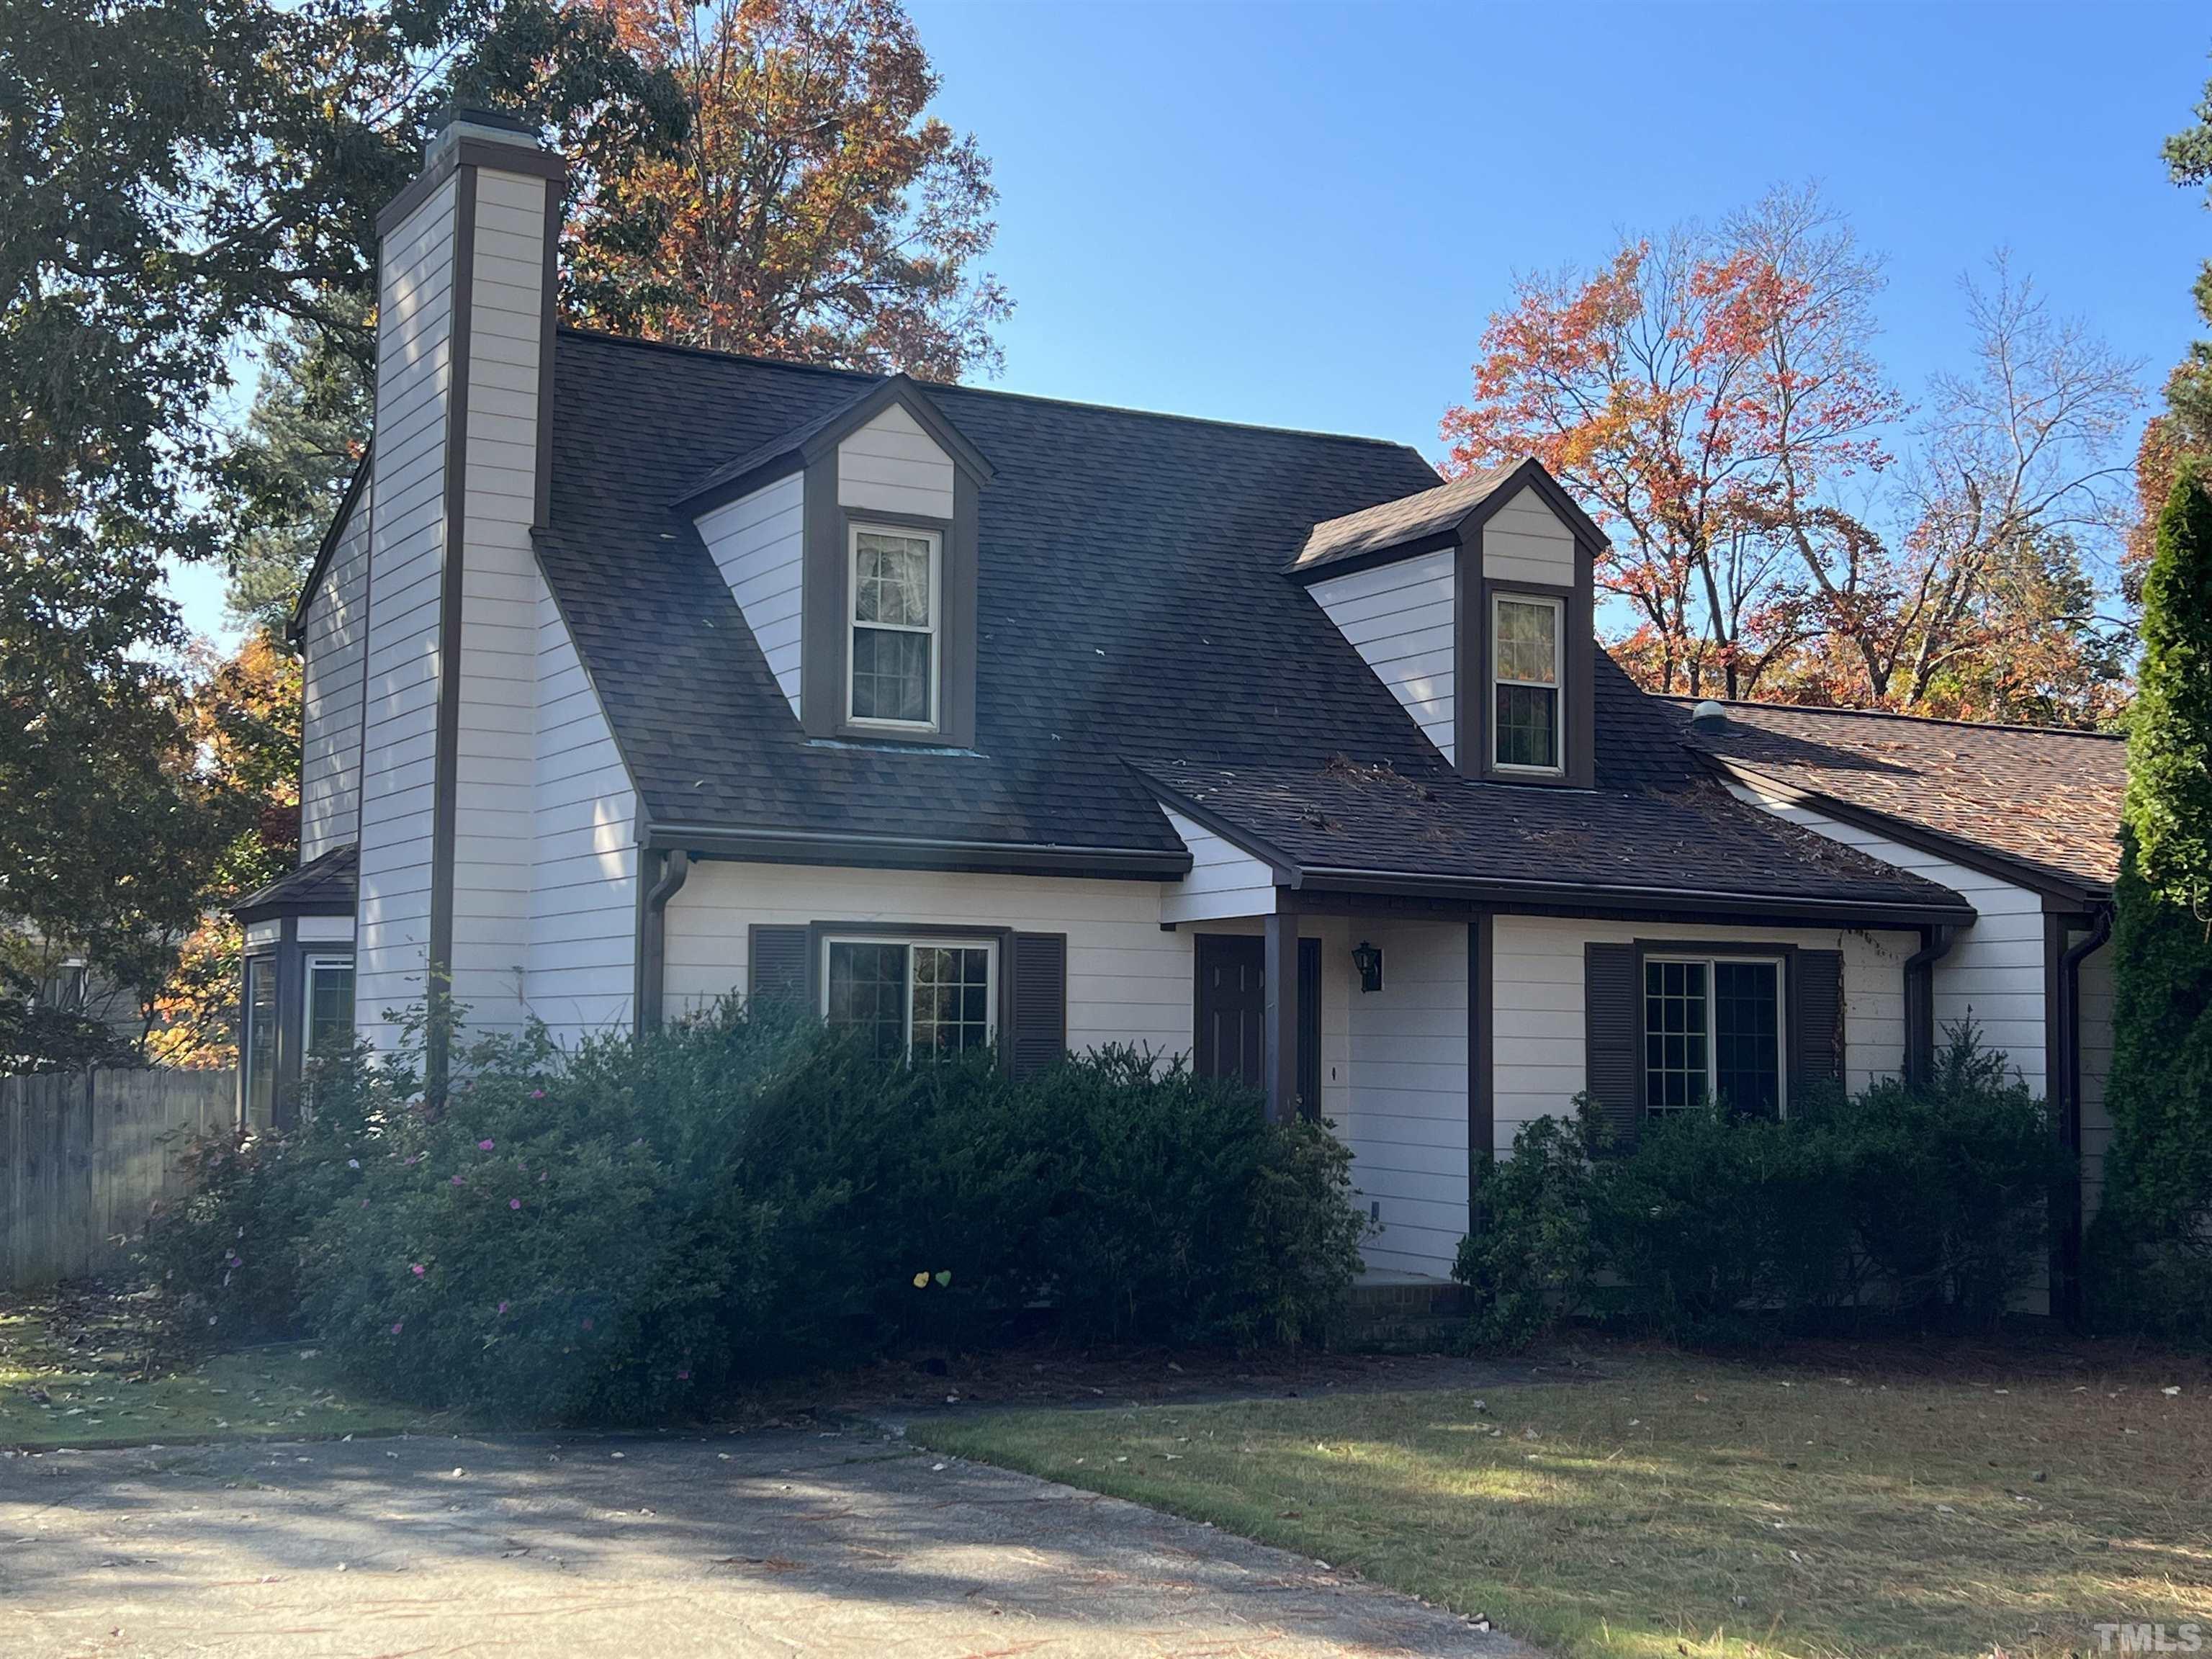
[618,1232]
[1923,1204]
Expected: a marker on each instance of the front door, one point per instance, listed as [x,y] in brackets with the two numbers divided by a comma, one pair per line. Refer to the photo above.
[1232,1006]
[1233,1009]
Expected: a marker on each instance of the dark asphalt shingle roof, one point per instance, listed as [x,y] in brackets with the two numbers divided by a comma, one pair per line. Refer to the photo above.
[1409,518]
[1132,613]
[1656,819]
[1128,604]
[326,884]
[2048,799]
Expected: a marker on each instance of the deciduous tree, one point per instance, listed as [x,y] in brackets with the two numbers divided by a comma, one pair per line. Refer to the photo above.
[814,211]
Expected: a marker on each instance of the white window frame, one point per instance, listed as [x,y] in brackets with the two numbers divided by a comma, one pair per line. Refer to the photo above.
[250,1028]
[853,532]
[308,967]
[1557,686]
[911,943]
[1751,959]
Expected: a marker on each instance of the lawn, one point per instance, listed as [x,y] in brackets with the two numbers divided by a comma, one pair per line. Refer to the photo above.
[86,1369]
[1678,1507]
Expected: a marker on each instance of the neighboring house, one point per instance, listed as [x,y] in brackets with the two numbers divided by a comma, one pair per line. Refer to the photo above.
[638,676]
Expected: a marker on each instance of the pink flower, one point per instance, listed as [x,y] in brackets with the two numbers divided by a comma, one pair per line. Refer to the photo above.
[502,1307]
[395,1324]
[418,1269]
[483,1145]
[587,1321]
[513,1203]
[538,1094]
[684,1376]
[364,1204]
[458,1181]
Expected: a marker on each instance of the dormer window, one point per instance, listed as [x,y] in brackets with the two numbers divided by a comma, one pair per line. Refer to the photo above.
[895,584]
[1527,633]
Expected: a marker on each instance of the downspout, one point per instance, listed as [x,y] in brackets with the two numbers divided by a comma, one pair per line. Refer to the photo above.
[676,865]
[1935,943]
[2066,1230]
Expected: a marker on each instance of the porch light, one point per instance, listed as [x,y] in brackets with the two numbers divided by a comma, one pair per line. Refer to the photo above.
[1368,958]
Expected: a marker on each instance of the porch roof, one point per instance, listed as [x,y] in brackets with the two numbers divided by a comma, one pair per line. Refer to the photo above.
[1352,828]
[324,886]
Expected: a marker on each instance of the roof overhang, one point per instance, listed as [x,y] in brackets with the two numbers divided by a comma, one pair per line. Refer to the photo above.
[918,853]
[2058,891]
[1565,898]
[1531,474]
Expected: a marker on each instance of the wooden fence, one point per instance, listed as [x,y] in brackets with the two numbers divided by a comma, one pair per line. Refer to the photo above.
[84,1157]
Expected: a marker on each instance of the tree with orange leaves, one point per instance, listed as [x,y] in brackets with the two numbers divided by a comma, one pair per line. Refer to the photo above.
[1715,398]
[812,211]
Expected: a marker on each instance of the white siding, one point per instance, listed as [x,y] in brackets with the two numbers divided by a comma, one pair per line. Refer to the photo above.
[1524,542]
[334,644]
[1536,979]
[1128,980]
[1398,618]
[494,827]
[1994,971]
[1405,1116]
[892,464]
[406,556]
[1224,880]
[583,924]
[758,542]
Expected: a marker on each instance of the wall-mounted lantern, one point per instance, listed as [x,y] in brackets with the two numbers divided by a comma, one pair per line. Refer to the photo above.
[1368,958]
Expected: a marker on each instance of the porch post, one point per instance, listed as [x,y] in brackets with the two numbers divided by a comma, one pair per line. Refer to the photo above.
[1279,1024]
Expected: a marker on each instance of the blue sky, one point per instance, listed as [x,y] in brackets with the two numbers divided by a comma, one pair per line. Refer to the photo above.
[1302,214]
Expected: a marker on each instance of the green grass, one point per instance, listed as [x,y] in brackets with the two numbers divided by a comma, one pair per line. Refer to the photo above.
[82,1372]
[1680,1507]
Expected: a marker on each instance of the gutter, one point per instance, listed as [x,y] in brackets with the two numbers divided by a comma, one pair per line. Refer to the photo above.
[918,853]
[653,941]
[1935,943]
[1581,895]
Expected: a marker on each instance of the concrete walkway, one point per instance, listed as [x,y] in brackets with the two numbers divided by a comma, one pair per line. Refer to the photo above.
[648,1549]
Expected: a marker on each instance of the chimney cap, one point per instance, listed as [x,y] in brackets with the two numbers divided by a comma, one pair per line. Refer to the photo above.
[1708,716]
[481,115]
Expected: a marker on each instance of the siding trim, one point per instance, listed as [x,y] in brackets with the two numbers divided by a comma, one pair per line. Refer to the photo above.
[296,628]
[446,761]
[917,852]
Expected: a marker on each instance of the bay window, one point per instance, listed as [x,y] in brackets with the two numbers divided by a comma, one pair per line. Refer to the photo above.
[329,1011]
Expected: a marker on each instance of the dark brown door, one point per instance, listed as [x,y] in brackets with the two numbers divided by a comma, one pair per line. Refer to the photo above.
[1232,1006]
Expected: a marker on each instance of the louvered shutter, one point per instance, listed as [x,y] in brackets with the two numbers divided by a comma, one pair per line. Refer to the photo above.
[1613,1028]
[1816,1034]
[1038,1002]
[778,966]
[1309,1027]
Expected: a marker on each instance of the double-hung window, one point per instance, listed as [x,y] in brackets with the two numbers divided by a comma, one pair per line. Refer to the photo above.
[919,996]
[329,1011]
[1713,1030]
[1526,640]
[894,617]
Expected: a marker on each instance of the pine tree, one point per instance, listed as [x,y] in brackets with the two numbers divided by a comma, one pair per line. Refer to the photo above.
[2153,1241]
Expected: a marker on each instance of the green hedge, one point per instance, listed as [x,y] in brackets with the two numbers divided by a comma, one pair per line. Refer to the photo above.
[618,1232]
[1926,1205]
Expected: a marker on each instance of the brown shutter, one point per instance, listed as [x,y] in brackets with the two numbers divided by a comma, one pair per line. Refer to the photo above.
[778,966]
[1039,1002]
[1612,1027]
[1309,1027]
[1816,1018]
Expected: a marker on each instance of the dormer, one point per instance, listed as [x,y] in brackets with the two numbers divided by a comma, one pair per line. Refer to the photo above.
[850,545]
[1472,602]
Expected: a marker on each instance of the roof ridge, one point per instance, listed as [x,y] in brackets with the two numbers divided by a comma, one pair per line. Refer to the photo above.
[602,336]
[1891,714]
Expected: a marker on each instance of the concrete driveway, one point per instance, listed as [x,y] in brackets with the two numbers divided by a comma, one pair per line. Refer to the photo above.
[649,1548]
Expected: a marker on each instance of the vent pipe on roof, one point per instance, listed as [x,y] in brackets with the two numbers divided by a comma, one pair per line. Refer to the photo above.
[1708,716]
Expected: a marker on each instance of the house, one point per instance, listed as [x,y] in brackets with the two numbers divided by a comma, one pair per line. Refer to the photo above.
[639,676]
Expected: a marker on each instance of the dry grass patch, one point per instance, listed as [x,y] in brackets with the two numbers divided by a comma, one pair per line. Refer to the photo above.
[86,1368]
[1678,1506]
